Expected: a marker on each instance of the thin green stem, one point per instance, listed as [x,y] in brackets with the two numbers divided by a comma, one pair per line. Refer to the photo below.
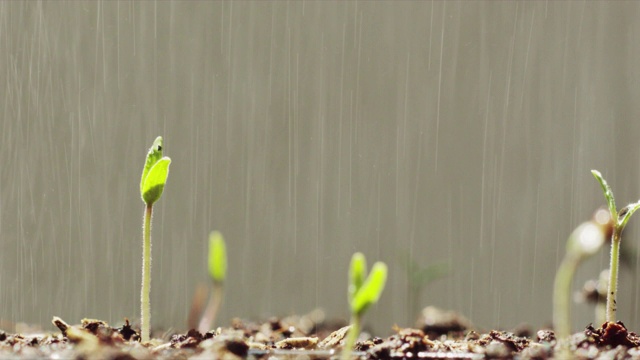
[562,295]
[352,336]
[613,274]
[209,317]
[414,300]
[146,275]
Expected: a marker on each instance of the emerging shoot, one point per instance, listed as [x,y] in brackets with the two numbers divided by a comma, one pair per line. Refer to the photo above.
[419,276]
[364,291]
[583,242]
[154,177]
[620,220]
[218,272]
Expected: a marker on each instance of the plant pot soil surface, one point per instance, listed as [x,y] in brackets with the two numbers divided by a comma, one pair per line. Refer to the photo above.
[310,337]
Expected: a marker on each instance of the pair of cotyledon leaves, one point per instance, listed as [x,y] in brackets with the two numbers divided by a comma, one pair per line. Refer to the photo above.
[365,290]
[620,218]
[154,174]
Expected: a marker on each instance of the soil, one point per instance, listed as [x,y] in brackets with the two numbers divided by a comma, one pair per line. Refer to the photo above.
[438,335]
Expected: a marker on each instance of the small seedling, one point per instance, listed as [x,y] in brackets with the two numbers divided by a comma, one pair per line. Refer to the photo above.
[364,291]
[583,242]
[620,220]
[419,276]
[200,295]
[218,273]
[154,177]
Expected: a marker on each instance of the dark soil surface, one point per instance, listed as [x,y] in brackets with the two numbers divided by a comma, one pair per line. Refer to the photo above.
[438,335]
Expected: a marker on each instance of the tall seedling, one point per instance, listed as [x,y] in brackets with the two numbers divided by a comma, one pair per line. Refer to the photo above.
[154,177]
[620,220]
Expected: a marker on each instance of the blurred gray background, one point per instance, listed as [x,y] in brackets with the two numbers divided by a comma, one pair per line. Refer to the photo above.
[456,132]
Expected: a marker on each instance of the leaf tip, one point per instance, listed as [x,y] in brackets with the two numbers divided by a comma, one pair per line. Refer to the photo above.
[157,143]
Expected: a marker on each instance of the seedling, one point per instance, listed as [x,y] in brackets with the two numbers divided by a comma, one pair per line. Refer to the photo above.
[419,276]
[154,177]
[364,291]
[218,272]
[620,220]
[584,241]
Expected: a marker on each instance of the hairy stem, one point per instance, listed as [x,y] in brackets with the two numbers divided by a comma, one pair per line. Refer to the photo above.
[613,275]
[352,336]
[146,275]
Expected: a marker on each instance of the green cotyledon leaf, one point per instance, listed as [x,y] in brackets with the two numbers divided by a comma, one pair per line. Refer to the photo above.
[608,194]
[217,257]
[155,180]
[626,212]
[371,289]
[153,156]
[357,273]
